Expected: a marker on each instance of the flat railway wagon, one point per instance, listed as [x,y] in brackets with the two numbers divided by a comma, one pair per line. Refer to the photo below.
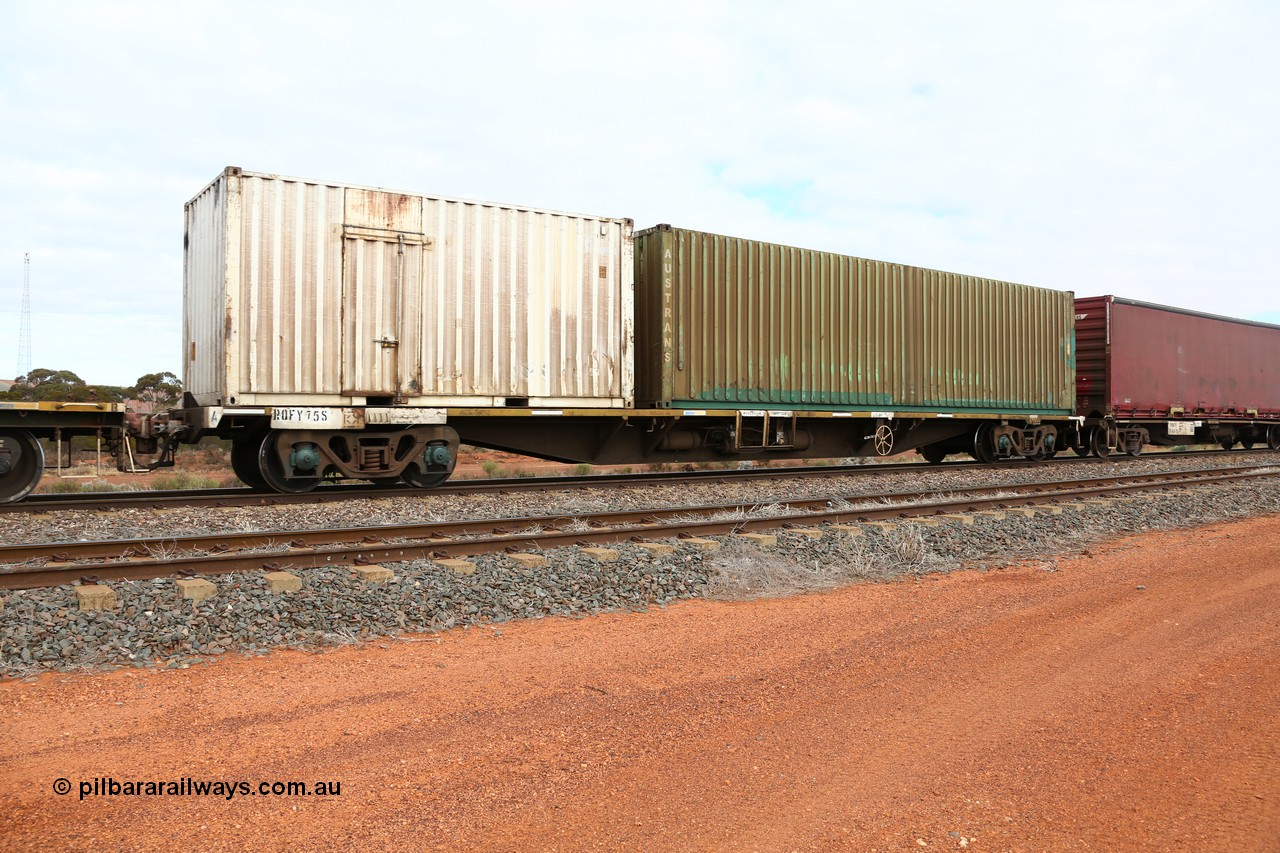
[1152,374]
[336,330]
[23,425]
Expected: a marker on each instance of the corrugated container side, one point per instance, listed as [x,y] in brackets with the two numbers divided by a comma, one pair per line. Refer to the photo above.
[204,315]
[287,310]
[334,292]
[729,322]
[1092,355]
[655,342]
[540,303]
[1163,358]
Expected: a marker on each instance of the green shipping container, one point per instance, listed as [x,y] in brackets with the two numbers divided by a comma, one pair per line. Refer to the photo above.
[723,322]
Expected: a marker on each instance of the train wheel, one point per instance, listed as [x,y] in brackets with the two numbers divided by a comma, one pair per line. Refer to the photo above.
[934,453]
[21,464]
[1246,443]
[414,477]
[431,468]
[272,471]
[1085,447]
[1134,451]
[1273,438]
[1227,443]
[244,459]
[1098,443]
[983,447]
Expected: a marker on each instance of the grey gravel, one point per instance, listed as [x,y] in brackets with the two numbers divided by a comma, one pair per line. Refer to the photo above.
[70,525]
[798,563]
[42,630]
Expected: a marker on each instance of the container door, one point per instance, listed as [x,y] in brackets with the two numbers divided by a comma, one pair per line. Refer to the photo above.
[381,310]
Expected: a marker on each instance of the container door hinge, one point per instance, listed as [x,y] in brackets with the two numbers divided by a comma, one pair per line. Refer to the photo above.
[387,343]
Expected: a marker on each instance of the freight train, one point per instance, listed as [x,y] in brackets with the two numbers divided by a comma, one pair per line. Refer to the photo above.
[333,331]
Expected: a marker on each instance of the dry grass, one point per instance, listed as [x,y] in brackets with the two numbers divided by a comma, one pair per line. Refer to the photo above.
[163,551]
[907,548]
[769,510]
[178,480]
[741,571]
[574,525]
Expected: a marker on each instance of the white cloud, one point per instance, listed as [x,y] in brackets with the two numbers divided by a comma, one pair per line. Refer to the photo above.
[1098,147]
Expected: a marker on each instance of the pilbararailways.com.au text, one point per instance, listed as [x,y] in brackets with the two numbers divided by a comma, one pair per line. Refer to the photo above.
[107,786]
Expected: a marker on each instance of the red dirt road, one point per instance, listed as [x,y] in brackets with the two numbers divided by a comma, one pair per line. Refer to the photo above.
[1009,710]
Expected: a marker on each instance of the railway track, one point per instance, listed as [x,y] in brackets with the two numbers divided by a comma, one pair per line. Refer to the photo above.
[139,559]
[241,496]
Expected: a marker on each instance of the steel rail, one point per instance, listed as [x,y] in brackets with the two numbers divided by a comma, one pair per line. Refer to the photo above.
[244,496]
[614,527]
[69,551]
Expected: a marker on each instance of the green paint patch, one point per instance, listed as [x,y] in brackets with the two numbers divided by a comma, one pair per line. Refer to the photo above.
[737,398]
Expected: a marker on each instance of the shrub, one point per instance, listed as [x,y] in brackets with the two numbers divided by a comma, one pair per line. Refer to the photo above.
[217,451]
[63,487]
[181,480]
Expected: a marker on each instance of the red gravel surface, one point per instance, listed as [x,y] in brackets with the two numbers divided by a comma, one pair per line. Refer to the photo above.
[1129,700]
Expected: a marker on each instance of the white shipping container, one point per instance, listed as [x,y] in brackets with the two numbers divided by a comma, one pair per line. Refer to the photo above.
[307,293]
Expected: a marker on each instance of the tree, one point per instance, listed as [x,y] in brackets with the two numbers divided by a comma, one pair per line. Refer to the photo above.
[160,391]
[63,385]
[45,384]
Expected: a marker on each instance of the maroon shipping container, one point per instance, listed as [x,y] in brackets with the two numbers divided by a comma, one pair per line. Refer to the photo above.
[1138,360]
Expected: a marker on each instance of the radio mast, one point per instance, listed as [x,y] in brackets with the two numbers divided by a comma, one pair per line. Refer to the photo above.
[24,325]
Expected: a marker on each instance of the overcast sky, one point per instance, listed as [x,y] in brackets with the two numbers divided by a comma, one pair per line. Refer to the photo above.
[1126,148]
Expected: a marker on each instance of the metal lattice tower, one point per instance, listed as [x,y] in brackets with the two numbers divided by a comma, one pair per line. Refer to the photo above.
[24,327]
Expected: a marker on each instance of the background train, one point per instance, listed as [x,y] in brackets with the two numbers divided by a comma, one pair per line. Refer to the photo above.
[336,331]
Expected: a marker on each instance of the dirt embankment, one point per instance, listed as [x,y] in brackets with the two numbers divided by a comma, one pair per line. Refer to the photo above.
[1129,700]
